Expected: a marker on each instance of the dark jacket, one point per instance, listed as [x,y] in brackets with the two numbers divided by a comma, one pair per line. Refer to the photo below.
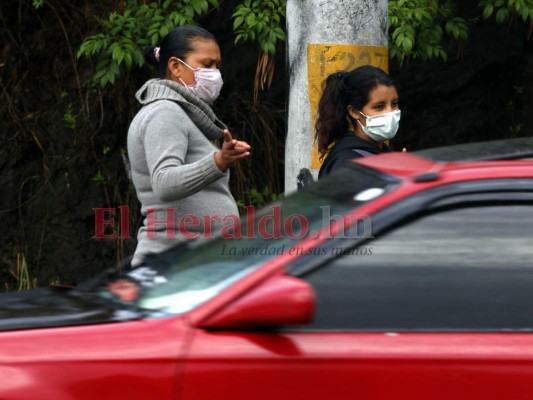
[347,148]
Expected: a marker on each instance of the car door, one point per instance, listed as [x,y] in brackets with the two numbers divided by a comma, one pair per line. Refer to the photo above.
[439,305]
[121,360]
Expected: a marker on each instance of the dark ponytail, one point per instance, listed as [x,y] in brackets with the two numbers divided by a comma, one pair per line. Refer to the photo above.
[178,43]
[341,90]
[331,121]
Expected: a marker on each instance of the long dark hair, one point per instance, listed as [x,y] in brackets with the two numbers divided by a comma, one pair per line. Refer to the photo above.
[342,89]
[178,43]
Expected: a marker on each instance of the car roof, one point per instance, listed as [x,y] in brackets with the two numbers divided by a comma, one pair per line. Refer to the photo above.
[505,149]
[469,155]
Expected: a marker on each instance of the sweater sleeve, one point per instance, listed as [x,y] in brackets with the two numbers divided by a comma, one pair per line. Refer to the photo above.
[166,140]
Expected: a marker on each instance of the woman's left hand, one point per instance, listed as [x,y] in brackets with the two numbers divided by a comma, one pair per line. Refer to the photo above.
[232,151]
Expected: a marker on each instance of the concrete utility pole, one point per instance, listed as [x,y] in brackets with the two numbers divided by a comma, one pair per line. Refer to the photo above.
[325,36]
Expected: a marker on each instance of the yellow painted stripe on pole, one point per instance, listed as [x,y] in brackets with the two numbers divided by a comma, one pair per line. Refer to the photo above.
[324,59]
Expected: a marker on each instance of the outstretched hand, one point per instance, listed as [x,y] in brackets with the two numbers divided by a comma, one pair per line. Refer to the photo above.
[232,151]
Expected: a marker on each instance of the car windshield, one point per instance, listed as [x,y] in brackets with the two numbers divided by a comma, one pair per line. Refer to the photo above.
[191,273]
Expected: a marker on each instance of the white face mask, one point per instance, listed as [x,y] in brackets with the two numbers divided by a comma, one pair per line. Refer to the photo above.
[381,127]
[208,83]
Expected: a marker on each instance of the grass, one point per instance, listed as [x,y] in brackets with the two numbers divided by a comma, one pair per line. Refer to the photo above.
[22,274]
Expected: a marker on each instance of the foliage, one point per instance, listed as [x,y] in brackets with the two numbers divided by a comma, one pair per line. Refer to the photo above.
[260,21]
[69,119]
[53,131]
[124,35]
[504,10]
[259,199]
[22,275]
[417,27]
[417,30]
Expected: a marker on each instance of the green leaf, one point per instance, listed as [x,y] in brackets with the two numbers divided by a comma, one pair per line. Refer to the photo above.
[456,32]
[525,14]
[138,58]
[113,67]
[197,6]
[407,45]
[104,80]
[82,51]
[111,77]
[502,15]
[271,48]
[118,54]
[115,30]
[112,48]
[487,11]
[128,60]
[397,32]
[238,21]
[37,4]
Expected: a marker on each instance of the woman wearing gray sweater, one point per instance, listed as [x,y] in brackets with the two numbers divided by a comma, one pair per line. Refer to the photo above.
[180,176]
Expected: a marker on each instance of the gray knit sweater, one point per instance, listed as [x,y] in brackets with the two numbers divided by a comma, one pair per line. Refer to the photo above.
[173,167]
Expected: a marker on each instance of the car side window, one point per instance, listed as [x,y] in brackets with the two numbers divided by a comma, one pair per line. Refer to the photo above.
[460,269]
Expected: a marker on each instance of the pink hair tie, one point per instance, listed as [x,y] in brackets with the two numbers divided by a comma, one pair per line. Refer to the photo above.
[157,52]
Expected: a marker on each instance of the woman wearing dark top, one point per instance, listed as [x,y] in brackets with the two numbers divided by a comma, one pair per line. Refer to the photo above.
[357,113]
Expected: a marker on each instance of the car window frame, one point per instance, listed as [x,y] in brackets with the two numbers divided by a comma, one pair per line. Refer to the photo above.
[426,202]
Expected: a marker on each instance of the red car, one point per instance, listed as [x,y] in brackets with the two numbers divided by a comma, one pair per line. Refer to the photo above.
[402,276]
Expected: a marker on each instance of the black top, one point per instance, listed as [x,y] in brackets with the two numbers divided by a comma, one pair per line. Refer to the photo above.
[347,148]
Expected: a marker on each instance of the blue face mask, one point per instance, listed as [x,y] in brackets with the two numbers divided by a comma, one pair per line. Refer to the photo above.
[381,127]
[207,83]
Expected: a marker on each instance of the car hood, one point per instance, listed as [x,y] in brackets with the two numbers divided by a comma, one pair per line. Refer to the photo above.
[52,307]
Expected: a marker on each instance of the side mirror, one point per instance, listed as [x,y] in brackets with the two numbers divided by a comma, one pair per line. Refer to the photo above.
[282,300]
